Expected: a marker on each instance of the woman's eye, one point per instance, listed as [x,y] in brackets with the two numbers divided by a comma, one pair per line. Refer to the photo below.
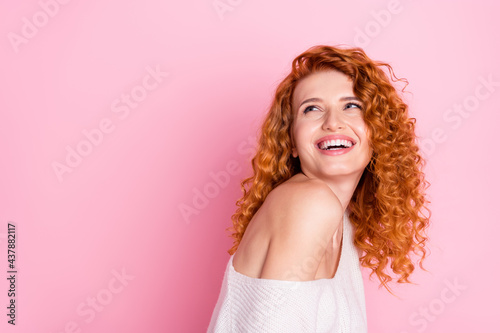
[353,105]
[310,108]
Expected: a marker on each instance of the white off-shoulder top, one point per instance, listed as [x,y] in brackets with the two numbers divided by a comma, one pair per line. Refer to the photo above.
[247,304]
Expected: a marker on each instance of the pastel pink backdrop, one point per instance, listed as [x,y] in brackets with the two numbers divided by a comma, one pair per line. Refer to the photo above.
[105,247]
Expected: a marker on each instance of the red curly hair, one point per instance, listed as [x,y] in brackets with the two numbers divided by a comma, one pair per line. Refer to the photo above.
[388,204]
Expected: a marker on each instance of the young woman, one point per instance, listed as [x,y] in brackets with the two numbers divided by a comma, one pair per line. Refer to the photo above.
[337,183]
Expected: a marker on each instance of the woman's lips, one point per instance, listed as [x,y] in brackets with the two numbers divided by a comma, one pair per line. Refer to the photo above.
[338,151]
[335,152]
[335,137]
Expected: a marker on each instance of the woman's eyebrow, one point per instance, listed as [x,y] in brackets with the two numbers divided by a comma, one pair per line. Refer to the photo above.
[314,99]
[353,98]
[342,99]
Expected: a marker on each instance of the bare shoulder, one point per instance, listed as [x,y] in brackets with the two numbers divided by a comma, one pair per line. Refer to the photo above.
[306,194]
[304,216]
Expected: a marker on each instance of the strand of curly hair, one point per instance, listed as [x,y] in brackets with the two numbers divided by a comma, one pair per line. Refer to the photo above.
[388,208]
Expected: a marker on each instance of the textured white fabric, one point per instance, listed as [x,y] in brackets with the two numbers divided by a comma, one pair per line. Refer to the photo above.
[247,304]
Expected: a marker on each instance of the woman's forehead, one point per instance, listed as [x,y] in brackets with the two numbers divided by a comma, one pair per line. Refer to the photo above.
[326,84]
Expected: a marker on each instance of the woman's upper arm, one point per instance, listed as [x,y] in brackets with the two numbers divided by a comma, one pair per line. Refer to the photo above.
[305,217]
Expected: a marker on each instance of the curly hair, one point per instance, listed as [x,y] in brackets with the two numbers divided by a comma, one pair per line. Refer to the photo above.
[387,207]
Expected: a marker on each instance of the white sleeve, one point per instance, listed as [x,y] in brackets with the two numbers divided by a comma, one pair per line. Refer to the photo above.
[275,309]
[260,306]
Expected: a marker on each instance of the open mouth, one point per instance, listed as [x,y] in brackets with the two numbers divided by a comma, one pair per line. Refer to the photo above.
[335,144]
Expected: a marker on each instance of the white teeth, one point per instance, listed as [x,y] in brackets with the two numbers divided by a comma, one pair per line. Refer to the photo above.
[335,143]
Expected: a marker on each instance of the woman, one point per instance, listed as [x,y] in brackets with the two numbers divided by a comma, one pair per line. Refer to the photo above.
[337,183]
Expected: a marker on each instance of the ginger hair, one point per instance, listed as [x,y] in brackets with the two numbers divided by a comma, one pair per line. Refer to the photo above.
[388,205]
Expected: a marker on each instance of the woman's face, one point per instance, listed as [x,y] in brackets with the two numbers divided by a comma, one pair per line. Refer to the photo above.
[329,134]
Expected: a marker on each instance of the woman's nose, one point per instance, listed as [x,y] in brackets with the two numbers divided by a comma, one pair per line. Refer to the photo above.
[333,121]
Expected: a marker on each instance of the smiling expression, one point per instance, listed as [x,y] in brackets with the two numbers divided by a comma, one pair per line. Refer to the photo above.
[329,134]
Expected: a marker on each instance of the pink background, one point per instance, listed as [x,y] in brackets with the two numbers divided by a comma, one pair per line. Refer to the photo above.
[66,69]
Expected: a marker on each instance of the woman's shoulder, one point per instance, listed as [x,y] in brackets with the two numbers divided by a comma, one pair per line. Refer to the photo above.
[303,215]
[305,194]
[302,204]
